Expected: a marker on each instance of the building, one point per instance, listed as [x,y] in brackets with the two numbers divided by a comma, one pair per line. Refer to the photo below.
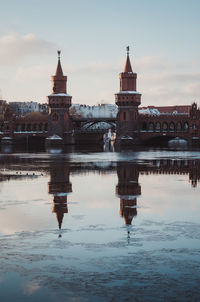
[23,108]
[142,125]
[61,122]
[59,101]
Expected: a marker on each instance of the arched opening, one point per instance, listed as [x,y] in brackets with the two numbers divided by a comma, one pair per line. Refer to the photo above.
[165,127]
[186,127]
[40,127]
[18,128]
[178,127]
[34,127]
[144,126]
[171,127]
[158,127]
[23,127]
[151,127]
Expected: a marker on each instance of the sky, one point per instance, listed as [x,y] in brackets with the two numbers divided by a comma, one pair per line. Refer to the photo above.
[92,35]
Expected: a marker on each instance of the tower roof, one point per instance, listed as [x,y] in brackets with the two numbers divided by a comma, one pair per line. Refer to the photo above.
[127,67]
[59,71]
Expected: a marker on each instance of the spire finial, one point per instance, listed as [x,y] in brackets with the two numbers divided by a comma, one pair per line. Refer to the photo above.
[127,49]
[128,67]
[59,52]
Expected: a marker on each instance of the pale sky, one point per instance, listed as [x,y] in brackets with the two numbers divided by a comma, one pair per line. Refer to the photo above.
[163,36]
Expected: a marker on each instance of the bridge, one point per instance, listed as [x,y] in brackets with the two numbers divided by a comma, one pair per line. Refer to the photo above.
[164,127]
[35,128]
[152,129]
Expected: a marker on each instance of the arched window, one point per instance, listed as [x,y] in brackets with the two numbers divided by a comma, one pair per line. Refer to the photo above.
[158,127]
[151,127]
[194,127]
[185,127]
[178,127]
[144,126]
[171,127]
[165,127]
[40,127]
[34,127]
[23,127]
[28,128]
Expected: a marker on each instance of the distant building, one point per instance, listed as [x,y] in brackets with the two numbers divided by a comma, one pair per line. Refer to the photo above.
[86,111]
[22,108]
[43,108]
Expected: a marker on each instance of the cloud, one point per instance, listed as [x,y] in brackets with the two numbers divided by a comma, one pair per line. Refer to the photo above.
[151,63]
[163,83]
[15,47]
[36,72]
[160,80]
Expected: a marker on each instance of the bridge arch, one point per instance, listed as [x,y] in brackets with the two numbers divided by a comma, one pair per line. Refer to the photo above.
[100,125]
[162,139]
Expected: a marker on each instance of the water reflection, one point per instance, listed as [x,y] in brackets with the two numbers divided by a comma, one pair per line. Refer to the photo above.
[128,189]
[60,187]
[156,199]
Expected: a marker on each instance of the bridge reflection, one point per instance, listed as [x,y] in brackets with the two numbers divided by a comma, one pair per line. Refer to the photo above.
[128,188]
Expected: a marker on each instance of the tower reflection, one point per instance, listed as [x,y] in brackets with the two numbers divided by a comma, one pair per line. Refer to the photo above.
[128,189]
[59,186]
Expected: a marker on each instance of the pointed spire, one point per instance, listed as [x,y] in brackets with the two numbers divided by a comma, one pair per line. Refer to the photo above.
[59,216]
[128,67]
[59,71]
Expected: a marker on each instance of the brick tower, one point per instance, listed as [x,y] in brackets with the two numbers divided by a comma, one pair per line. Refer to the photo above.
[59,102]
[127,100]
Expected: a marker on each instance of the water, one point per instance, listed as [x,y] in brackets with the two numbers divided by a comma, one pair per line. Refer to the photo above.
[129,225]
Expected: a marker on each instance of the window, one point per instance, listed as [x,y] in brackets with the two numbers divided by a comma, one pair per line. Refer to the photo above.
[124,115]
[55,117]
